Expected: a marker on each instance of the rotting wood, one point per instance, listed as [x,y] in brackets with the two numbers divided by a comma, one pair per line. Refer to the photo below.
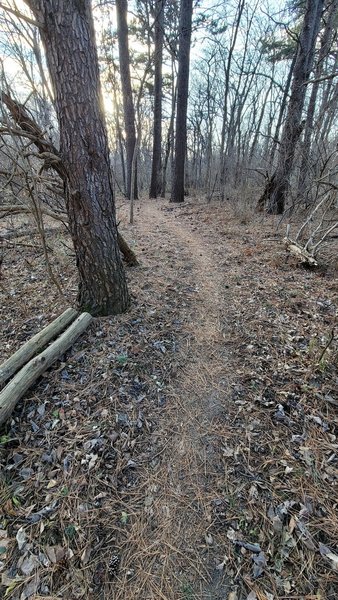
[303,255]
[35,344]
[23,380]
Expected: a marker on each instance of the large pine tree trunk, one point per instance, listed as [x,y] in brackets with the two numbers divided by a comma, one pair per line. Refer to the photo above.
[155,184]
[177,192]
[292,127]
[127,93]
[68,36]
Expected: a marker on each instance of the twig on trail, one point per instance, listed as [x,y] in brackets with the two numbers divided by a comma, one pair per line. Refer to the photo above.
[327,346]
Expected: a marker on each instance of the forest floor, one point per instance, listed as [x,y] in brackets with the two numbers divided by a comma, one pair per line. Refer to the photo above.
[188,449]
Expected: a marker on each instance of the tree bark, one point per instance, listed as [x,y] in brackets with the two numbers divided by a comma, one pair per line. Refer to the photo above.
[69,40]
[127,93]
[177,192]
[155,184]
[292,127]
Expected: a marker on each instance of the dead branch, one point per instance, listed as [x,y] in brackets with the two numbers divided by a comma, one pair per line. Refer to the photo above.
[326,234]
[319,79]
[50,157]
[310,218]
[327,346]
[20,15]
[10,209]
[321,226]
[302,254]
[11,131]
[16,209]
[14,234]
[28,125]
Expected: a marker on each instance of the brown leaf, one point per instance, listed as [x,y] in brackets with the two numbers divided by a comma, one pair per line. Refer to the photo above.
[55,553]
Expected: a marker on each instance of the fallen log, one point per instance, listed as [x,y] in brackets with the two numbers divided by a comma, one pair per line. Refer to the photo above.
[22,381]
[35,344]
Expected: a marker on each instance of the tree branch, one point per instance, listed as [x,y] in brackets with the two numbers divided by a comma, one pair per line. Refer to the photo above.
[31,128]
[324,78]
[21,15]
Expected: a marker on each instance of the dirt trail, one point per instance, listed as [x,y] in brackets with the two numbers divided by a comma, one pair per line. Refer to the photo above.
[174,437]
[173,542]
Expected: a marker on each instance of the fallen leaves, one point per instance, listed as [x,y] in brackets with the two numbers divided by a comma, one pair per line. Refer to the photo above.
[81,445]
[329,555]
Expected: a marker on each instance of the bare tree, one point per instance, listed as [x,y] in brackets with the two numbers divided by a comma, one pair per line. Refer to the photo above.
[276,189]
[329,32]
[227,72]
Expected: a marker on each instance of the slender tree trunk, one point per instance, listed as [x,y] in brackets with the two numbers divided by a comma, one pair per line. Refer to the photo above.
[169,142]
[292,127]
[330,115]
[119,136]
[240,94]
[127,94]
[68,36]
[155,184]
[306,144]
[210,118]
[257,124]
[282,111]
[227,69]
[328,99]
[177,192]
